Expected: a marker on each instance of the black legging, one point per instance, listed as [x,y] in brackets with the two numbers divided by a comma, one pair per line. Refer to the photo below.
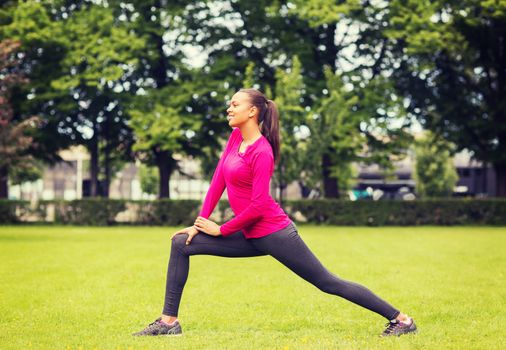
[285,245]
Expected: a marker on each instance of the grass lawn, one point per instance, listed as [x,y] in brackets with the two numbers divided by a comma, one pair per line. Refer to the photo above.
[80,287]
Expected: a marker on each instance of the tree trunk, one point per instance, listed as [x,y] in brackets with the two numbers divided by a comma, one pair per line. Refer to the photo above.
[163,162]
[330,186]
[500,172]
[4,187]
[331,51]
[107,181]
[304,190]
[281,185]
[107,169]
[94,165]
[107,157]
[280,197]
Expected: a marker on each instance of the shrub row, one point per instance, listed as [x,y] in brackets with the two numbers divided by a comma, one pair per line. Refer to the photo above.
[102,212]
[419,212]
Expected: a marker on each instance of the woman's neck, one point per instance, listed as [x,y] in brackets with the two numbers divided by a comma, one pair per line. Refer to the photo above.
[250,134]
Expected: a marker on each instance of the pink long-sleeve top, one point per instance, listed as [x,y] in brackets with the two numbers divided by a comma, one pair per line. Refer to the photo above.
[247,178]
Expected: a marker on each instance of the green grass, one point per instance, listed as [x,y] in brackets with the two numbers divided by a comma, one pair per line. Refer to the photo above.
[77,287]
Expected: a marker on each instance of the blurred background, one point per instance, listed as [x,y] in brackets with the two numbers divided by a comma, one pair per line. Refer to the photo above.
[378,100]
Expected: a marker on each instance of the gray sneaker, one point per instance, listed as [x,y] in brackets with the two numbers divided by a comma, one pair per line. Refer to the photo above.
[160,328]
[397,328]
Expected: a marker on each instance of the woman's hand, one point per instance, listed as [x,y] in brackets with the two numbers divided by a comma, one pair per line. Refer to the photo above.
[207,226]
[191,231]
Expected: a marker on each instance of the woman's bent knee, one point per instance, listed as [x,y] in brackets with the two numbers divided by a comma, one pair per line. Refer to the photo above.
[179,241]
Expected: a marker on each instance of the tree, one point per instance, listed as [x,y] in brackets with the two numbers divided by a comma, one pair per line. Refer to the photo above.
[289,88]
[260,36]
[362,100]
[14,136]
[335,139]
[166,91]
[289,91]
[249,76]
[453,72]
[101,54]
[352,125]
[30,171]
[434,172]
[158,131]
[149,179]
[38,55]
[77,57]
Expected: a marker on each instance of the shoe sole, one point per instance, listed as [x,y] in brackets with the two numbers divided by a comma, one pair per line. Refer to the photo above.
[398,335]
[158,335]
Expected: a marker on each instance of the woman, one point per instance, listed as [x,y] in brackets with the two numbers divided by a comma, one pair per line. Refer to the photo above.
[260,226]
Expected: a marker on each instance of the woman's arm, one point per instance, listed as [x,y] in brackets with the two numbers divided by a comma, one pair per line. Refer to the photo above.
[217,185]
[262,166]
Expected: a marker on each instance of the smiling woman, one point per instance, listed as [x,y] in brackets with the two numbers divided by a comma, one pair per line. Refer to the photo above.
[255,116]
[260,226]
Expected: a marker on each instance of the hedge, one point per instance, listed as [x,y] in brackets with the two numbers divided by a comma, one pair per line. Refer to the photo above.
[165,212]
[400,213]
[10,210]
[102,212]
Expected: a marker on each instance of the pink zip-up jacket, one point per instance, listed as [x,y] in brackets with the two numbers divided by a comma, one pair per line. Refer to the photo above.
[247,178]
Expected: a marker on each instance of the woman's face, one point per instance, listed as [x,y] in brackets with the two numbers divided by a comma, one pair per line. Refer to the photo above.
[240,109]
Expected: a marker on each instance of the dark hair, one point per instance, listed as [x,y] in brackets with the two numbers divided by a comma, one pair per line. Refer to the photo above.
[268,117]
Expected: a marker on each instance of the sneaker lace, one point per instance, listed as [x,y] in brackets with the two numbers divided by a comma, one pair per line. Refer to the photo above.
[154,323]
[391,326]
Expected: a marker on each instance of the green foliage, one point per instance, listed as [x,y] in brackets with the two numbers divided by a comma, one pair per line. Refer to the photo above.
[452,61]
[173,104]
[434,172]
[100,51]
[149,179]
[101,54]
[384,123]
[354,123]
[324,12]
[78,58]
[289,91]
[159,128]
[335,134]
[340,129]
[423,26]
[15,139]
[29,22]
[439,61]
[42,49]
[29,172]
[249,76]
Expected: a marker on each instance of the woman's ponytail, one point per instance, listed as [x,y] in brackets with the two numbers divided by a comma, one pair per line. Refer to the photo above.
[268,119]
[270,128]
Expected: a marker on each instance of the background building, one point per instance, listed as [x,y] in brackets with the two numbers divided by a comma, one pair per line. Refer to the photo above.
[69,180]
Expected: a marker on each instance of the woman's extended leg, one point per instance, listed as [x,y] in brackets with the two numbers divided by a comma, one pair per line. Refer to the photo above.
[287,247]
[233,246]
